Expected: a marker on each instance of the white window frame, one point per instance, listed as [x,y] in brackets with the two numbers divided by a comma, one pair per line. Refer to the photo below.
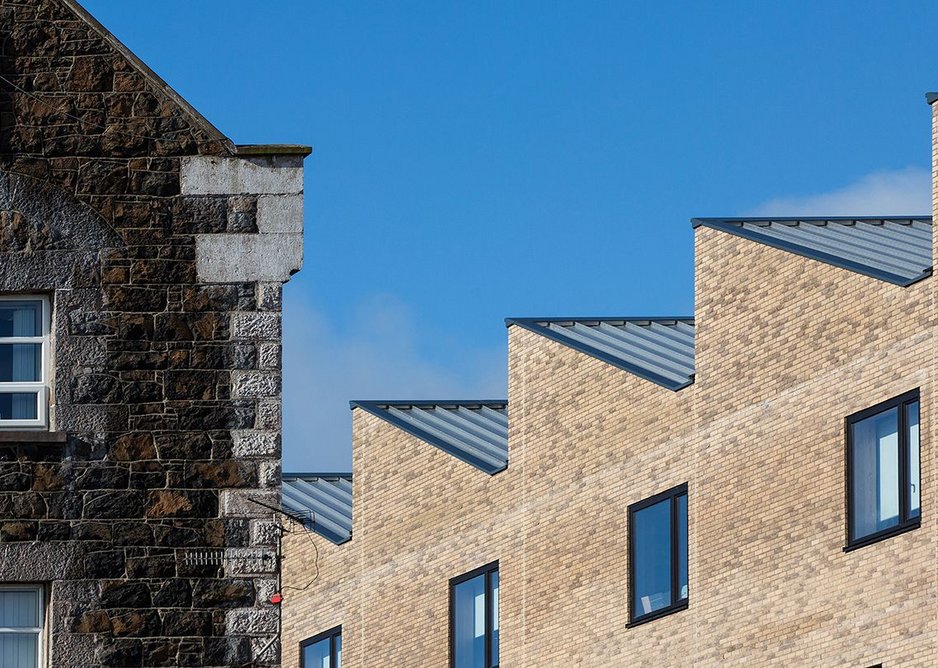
[41,388]
[39,631]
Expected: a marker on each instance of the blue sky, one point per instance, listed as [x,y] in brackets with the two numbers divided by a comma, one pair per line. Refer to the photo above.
[477,160]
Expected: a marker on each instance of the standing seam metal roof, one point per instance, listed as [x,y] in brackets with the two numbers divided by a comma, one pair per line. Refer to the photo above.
[475,432]
[896,249]
[322,501]
[660,350]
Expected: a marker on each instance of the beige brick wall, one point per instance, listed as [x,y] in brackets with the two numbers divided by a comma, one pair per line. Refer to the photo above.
[786,348]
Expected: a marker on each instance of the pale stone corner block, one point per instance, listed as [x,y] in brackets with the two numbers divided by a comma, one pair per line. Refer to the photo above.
[280,213]
[212,175]
[233,258]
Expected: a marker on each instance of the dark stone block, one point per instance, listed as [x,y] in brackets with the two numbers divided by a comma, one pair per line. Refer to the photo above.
[210,326]
[181,445]
[227,593]
[182,503]
[125,594]
[113,505]
[160,652]
[221,474]
[121,653]
[152,566]
[187,623]
[136,623]
[102,477]
[197,385]
[104,564]
[134,446]
[224,356]
[133,533]
[96,531]
[171,593]
[18,531]
[228,415]
[54,531]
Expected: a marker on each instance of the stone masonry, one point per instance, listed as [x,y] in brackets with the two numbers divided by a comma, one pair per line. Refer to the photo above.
[162,247]
[786,348]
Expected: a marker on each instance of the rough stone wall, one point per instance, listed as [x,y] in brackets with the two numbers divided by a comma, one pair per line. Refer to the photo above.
[166,385]
[787,348]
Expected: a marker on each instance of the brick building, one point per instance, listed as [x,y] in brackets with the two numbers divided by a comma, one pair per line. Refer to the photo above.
[750,486]
[142,255]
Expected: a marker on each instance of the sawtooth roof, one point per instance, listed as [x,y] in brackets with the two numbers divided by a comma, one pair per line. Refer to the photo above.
[321,501]
[475,432]
[895,249]
[660,350]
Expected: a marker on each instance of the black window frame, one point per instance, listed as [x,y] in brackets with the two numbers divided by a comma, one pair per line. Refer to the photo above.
[331,634]
[906,523]
[677,604]
[486,570]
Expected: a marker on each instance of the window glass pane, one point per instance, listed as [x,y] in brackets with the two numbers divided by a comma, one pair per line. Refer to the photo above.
[20,362]
[682,547]
[317,655]
[19,650]
[495,618]
[19,608]
[915,492]
[19,406]
[652,553]
[469,624]
[338,651]
[20,318]
[875,462]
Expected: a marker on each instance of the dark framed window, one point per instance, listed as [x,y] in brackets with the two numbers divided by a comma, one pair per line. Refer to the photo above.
[883,477]
[658,555]
[473,615]
[322,651]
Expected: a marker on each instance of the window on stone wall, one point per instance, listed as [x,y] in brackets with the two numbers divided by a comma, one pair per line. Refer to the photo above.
[658,555]
[474,619]
[883,480]
[322,651]
[21,626]
[24,355]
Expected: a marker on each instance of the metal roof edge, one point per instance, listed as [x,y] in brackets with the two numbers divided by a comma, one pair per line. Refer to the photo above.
[149,74]
[373,407]
[357,403]
[708,221]
[931,98]
[313,474]
[652,318]
[723,225]
[532,325]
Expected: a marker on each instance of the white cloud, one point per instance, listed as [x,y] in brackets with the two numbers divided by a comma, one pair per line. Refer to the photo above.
[375,355]
[901,192]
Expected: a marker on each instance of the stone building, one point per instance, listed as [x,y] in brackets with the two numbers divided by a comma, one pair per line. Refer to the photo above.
[755,485]
[142,255]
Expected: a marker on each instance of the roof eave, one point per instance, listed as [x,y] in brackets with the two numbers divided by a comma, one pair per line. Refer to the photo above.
[532,325]
[373,407]
[738,230]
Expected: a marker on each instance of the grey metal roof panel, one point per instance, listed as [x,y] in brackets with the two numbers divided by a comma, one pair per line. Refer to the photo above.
[322,501]
[475,432]
[660,350]
[896,249]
